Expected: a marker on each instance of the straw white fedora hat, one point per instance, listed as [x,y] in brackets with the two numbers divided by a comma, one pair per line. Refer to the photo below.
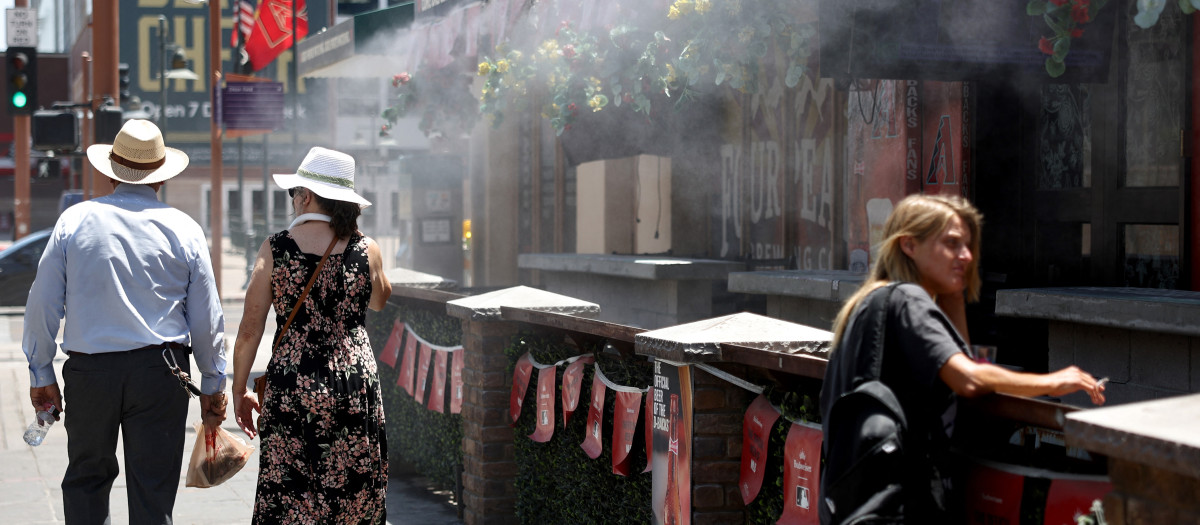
[137,155]
[327,173]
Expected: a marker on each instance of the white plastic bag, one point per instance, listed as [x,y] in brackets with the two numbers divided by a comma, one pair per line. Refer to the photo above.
[216,460]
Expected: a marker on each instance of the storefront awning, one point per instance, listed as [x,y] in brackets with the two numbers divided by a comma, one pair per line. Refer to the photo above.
[356,48]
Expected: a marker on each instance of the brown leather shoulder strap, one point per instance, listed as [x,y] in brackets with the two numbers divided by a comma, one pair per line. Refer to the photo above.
[304,294]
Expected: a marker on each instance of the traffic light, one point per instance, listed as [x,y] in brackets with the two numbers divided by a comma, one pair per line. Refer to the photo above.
[107,122]
[22,80]
[55,129]
[123,79]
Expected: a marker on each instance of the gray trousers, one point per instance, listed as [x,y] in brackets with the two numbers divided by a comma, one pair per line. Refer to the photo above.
[133,392]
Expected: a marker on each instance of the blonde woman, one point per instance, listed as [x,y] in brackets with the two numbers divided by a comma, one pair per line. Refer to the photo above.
[927,268]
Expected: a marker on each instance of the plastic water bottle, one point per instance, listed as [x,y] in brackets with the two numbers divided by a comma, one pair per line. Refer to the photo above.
[41,424]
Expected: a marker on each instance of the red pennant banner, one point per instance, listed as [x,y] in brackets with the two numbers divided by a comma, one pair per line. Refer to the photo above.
[649,428]
[422,373]
[993,495]
[571,385]
[756,431]
[592,443]
[456,382]
[408,364]
[519,384]
[392,348]
[1072,497]
[544,426]
[437,394]
[801,476]
[625,418]
[272,32]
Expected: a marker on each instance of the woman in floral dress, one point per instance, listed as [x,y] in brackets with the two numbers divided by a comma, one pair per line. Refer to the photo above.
[323,456]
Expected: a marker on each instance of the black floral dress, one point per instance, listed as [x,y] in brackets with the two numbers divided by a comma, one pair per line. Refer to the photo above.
[324,450]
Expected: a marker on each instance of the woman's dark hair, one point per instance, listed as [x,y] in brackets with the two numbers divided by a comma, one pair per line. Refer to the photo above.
[343,215]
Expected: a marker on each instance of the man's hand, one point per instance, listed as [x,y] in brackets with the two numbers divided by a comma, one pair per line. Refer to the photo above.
[212,410]
[44,396]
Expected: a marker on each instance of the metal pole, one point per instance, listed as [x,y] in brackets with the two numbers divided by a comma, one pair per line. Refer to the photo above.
[216,194]
[85,182]
[162,88]
[294,80]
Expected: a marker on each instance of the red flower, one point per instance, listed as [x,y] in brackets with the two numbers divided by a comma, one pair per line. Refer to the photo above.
[401,79]
[571,107]
[1076,33]
[568,51]
[1045,46]
[1079,13]
[627,98]
[1059,3]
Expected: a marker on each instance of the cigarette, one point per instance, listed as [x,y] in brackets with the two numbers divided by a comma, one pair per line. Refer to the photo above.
[1101,382]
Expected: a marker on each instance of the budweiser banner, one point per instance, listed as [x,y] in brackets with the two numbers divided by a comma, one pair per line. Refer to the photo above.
[392,348]
[422,373]
[456,382]
[993,495]
[649,428]
[756,432]
[408,364]
[543,428]
[801,475]
[625,418]
[520,383]
[1072,497]
[672,419]
[572,384]
[437,393]
[592,444]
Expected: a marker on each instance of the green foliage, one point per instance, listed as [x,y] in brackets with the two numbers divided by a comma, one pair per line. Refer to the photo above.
[795,406]
[556,481]
[428,441]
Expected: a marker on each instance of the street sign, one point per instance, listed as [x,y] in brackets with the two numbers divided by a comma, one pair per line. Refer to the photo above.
[252,105]
[22,26]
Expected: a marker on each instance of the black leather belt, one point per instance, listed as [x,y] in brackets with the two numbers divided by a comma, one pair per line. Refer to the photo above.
[173,346]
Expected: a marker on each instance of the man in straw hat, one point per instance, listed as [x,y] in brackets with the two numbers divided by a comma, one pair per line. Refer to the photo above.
[133,279]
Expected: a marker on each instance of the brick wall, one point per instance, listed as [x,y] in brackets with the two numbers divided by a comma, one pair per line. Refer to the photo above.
[1140,365]
[1144,495]
[488,467]
[718,410]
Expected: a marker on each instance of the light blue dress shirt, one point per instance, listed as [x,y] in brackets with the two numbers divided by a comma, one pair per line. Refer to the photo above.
[126,271]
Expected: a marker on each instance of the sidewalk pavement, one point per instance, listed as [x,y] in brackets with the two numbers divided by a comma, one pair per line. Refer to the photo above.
[30,477]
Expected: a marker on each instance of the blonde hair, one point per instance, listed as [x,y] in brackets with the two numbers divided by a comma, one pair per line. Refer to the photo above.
[920,217]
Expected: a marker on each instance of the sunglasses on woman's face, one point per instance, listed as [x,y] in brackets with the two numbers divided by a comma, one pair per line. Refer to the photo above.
[292,192]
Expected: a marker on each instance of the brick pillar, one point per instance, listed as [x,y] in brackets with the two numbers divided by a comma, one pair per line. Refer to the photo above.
[488,466]
[718,411]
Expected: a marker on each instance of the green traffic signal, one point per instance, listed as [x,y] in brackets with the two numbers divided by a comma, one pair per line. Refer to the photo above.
[19,100]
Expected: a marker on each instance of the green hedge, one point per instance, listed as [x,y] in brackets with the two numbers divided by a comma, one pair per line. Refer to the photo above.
[556,481]
[429,442]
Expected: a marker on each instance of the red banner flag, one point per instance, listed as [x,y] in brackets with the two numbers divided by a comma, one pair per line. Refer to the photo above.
[520,383]
[592,444]
[756,432]
[625,418]
[272,33]
[544,425]
[572,383]
[993,495]
[437,394]
[456,382]
[1072,497]
[422,373]
[801,476]
[392,348]
[408,363]
[648,423]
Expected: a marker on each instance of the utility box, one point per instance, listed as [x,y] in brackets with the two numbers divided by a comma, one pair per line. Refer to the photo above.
[55,130]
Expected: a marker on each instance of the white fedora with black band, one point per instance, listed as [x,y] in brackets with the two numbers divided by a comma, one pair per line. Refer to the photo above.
[137,155]
[327,173]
